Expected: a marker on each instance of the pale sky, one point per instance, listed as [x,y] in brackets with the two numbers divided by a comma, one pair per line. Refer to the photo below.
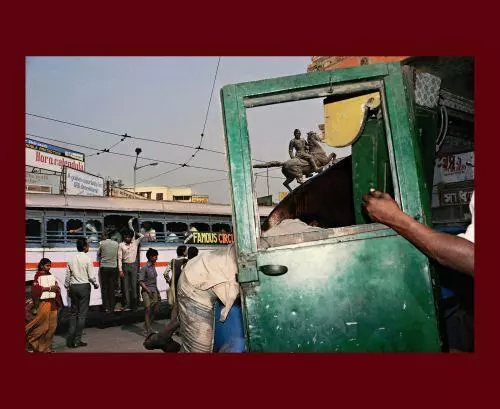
[163,98]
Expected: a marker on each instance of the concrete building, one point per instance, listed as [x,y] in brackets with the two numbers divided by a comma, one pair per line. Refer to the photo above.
[335,62]
[177,194]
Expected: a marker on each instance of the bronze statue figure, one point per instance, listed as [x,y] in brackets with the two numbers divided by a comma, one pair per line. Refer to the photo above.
[299,166]
[301,150]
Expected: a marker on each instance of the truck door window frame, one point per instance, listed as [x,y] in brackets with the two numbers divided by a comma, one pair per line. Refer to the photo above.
[388,79]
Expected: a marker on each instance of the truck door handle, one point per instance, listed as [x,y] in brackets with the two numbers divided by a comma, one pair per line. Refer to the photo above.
[273,269]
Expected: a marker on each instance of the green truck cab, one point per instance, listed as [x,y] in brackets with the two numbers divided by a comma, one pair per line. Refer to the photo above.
[355,285]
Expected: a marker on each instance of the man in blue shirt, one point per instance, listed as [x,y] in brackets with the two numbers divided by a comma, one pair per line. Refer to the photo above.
[149,289]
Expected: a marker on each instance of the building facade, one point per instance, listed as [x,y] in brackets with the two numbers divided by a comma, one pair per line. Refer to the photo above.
[176,194]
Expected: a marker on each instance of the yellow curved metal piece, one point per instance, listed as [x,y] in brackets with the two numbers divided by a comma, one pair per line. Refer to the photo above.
[345,119]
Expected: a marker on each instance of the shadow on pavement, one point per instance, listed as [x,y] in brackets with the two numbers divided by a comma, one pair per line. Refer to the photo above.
[99,319]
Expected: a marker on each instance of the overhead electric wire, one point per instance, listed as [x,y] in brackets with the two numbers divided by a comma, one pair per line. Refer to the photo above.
[125,154]
[199,147]
[107,149]
[202,182]
[125,135]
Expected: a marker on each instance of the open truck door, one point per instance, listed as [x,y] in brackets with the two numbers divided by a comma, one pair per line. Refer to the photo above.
[355,285]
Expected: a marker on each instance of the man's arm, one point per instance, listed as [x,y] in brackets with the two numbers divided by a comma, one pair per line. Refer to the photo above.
[139,238]
[449,250]
[67,279]
[91,273]
[142,277]
[290,149]
[168,273]
[120,260]
[130,225]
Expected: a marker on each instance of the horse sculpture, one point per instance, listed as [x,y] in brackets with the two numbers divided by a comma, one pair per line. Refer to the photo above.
[298,168]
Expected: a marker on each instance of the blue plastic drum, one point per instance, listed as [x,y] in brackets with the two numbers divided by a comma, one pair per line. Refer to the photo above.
[229,335]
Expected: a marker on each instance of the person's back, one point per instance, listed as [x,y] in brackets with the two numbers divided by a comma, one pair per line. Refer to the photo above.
[108,250]
[108,272]
[79,267]
[79,275]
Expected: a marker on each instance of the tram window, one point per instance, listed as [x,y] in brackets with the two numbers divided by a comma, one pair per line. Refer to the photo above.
[55,231]
[93,230]
[221,228]
[154,231]
[330,197]
[176,232]
[116,226]
[33,231]
[177,227]
[74,228]
[204,227]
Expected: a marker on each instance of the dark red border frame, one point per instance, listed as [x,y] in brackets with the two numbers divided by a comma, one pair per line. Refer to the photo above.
[271,379]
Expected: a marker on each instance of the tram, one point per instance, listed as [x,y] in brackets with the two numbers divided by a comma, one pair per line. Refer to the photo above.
[54,222]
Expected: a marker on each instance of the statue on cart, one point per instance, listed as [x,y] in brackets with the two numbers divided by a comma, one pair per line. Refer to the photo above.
[310,157]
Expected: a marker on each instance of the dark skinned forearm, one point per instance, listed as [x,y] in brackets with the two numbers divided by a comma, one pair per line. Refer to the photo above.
[449,250]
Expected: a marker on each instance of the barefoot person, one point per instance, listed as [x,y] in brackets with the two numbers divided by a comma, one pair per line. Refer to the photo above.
[149,289]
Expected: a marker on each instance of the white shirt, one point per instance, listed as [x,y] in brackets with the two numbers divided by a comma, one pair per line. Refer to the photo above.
[469,233]
[80,270]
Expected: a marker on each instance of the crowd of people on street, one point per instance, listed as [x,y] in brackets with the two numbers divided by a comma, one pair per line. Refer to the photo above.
[118,271]
[202,287]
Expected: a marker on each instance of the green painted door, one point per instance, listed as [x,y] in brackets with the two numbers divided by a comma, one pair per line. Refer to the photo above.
[359,288]
[358,294]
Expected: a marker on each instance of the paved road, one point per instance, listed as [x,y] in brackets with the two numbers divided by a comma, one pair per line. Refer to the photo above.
[121,332]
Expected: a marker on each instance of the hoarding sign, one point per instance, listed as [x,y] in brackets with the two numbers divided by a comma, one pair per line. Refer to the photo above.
[199,199]
[39,179]
[54,150]
[52,157]
[456,194]
[119,192]
[453,168]
[83,184]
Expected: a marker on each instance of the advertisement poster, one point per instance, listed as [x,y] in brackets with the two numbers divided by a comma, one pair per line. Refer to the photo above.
[45,156]
[83,184]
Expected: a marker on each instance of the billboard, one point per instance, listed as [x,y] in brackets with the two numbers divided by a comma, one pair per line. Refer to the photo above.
[453,194]
[38,182]
[119,192]
[83,184]
[453,168]
[199,199]
[50,157]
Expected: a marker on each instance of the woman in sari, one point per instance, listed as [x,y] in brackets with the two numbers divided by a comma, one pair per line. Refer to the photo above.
[46,295]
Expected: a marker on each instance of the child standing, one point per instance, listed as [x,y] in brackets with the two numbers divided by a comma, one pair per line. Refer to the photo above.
[149,289]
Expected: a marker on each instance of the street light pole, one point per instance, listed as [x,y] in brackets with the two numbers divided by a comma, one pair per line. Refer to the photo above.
[136,168]
[137,153]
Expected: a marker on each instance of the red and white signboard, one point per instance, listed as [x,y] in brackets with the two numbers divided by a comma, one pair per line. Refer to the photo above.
[454,168]
[49,161]
[45,156]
